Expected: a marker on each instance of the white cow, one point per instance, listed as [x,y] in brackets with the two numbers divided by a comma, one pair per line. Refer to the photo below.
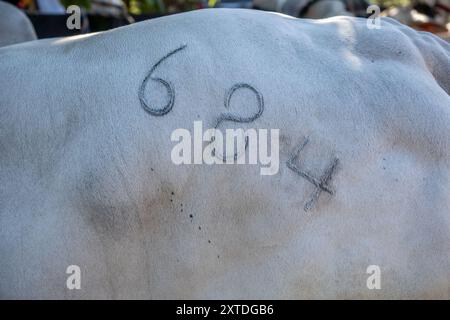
[15,27]
[87,179]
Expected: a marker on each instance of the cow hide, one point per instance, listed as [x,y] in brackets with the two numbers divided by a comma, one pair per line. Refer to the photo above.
[87,179]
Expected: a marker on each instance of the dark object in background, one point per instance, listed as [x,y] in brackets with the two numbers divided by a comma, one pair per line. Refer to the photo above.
[54,25]
[358,7]
[425,9]
[13,2]
[103,23]
[143,17]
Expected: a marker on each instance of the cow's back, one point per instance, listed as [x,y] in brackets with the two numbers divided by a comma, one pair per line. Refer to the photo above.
[87,177]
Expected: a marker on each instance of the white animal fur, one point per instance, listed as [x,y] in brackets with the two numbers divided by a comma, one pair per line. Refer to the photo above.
[86,176]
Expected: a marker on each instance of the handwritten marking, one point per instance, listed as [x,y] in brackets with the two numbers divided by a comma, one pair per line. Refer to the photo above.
[230,117]
[170,89]
[234,118]
[321,184]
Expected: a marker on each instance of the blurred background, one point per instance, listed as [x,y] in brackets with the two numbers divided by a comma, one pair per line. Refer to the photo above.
[49,16]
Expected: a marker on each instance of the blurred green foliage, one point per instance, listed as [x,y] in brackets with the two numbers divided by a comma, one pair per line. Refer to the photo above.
[391,3]
[150,6]
[81,3]
[145,6]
